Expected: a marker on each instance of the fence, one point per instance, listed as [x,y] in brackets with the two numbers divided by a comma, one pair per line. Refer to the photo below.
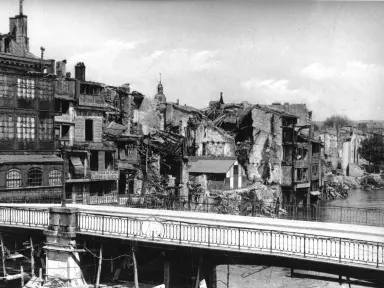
[298,245]
[24,217]
[218,205]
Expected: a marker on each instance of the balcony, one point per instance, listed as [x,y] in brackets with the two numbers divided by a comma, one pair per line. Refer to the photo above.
[65,118]
[44,194]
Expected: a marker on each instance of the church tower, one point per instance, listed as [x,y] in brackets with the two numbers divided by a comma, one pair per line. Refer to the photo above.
[160,93]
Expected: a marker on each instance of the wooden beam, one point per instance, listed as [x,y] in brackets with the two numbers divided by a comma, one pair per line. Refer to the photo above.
[99,268]
[32,258]
[3,256]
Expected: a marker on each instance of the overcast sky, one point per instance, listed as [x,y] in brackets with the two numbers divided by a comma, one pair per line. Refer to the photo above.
[329,55]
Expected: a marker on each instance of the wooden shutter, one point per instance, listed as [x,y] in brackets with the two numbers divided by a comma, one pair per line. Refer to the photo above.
[79,129]
[97,129]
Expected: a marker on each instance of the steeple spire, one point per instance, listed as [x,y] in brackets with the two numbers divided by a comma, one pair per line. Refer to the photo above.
[160,78]
[21,6]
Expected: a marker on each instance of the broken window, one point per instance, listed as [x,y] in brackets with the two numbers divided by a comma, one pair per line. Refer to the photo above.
[301,153]
[273,124]
[35,177]
[6,127]
[128,149]
[25,128]
[55,177]
[88,130]
[45,128]
[301,174]
[13,178]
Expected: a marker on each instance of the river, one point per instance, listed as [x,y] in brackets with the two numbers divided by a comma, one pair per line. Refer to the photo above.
[359,198]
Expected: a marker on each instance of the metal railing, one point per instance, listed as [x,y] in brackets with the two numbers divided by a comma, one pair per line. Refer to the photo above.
[297,245]
[232,206]
[37,195]
[338,214]
[24,217]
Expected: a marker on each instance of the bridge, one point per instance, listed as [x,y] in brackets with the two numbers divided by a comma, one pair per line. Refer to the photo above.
[345,246]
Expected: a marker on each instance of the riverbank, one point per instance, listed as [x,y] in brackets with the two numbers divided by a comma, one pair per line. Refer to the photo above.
[339,186]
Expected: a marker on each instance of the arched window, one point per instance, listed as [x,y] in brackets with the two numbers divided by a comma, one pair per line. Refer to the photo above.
[13,178]
[35,177]
[55,177]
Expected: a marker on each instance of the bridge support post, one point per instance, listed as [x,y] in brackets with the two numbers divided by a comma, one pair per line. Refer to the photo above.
[167,273]
[210,275]
[63,262]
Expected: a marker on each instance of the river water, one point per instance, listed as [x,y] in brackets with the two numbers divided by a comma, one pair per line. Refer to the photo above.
[359,198]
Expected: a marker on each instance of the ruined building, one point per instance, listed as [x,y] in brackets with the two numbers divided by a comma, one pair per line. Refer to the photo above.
[29,168]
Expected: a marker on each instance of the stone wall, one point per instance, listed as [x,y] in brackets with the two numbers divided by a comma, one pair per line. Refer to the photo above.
[266,154]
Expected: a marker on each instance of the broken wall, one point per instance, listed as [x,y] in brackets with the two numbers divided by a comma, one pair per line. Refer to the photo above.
[212,141]
[148,116]
[266,153]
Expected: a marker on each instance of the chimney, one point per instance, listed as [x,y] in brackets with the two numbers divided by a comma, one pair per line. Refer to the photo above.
[177,102]
[61,68]
[41,59]
[80,71]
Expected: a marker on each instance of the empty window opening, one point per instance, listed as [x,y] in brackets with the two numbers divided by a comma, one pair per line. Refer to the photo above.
[94,159]
[108,161]
[65,131]
[88,130]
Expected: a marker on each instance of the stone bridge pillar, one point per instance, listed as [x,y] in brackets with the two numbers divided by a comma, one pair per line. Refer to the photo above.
[63,262]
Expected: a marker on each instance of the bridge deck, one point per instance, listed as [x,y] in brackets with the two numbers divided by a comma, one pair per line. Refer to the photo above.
[337,243]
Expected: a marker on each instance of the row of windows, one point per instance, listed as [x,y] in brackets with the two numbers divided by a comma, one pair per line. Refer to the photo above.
[26,88]
[25,128]
[34,178]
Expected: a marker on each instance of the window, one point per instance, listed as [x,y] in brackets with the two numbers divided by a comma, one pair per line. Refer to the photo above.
[26,88]
[25,127]
[46,129]
[273,124]
[65,131]
[13,178]
[128,149]
[94,161]
[35,177]
[6,127]
[55,177]
[108,161]
[301,174]
[88,130]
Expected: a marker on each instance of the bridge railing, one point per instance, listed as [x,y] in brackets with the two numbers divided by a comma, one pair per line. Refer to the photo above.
[221,205]
[24,217]
[298,245]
